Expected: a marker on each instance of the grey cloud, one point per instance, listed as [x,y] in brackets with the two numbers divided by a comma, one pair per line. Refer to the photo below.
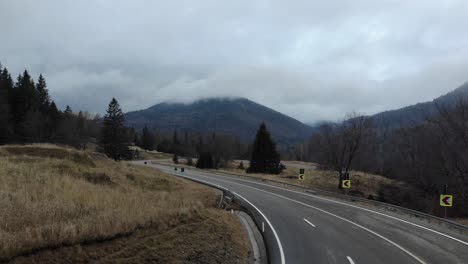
[313,60]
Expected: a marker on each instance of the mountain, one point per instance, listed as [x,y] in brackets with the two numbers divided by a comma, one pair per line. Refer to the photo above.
[419,112]
[238,117]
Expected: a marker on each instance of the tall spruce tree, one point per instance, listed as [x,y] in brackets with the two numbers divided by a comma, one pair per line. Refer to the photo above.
[43,94]
[114,141]
[147,140]
[25,104]
[265,158]
[6,85]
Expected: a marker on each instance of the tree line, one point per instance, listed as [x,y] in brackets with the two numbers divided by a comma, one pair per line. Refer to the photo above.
[424,156]
[213,150]
[29,115]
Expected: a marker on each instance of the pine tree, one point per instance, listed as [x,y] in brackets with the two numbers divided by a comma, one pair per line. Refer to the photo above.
[265,158]
[68,113]
[81,130]
[205,161]
[113,135]
[147,141]
[25,102]
[136,139]
[43,94]
[6,85]
[53,122]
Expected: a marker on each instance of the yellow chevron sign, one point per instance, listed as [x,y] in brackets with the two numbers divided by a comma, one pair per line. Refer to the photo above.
[446,200]
[346,184]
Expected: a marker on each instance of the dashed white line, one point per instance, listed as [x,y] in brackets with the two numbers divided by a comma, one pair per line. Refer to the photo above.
[350,205]
[337,216]
[307,221]
[350,260]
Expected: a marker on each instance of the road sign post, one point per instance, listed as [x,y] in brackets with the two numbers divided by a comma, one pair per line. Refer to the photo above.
[346,184]
[446,200]
[301,174]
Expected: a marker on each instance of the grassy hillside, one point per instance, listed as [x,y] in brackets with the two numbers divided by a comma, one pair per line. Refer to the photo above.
[52,197]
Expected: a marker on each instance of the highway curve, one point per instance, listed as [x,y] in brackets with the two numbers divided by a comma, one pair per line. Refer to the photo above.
[307,228]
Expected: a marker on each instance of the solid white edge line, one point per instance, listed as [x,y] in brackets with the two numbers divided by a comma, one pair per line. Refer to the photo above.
[307,221]
[350,260]
[280,246]
[283,261]
[337,216]
[362,208]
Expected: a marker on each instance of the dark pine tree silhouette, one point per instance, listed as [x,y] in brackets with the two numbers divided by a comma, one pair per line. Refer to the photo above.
[43,94]
[265,158]
[114,141]
[147,141]
[6,126]
[205,161]
[25,104]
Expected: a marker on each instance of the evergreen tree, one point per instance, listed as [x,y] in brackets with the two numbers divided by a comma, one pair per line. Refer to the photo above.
[265,158]
[205,161]
[68,113]
[136,139]
[113,135]
[6,85]
[25,100]
[43,94]
[147,141]
[81,130]
[53,122]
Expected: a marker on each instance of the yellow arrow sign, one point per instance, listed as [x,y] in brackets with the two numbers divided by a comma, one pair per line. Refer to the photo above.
[301,177]
[446,200]
[346,184]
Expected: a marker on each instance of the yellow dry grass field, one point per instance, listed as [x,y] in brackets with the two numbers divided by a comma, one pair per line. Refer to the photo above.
[53,198]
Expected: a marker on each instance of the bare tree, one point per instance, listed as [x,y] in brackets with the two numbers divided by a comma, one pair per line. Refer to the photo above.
[338,145]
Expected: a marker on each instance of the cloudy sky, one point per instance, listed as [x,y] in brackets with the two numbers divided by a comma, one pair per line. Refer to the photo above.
[313,60]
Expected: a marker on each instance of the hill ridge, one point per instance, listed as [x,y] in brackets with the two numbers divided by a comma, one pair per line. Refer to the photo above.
[235,116]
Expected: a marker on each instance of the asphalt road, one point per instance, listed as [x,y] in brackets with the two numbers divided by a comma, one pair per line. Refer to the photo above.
[306,228]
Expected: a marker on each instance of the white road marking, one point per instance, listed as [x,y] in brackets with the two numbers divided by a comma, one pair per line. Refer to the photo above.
[280,246]
[334,215]
[354,206]
[307,221]
[350,260]
[283,261]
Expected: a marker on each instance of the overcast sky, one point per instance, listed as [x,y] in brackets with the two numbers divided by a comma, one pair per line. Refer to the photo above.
[313,60]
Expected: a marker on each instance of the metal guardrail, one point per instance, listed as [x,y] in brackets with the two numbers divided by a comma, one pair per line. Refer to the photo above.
[445,222]
[390,207]
[246,207]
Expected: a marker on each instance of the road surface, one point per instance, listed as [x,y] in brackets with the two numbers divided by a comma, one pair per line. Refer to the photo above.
[307,228]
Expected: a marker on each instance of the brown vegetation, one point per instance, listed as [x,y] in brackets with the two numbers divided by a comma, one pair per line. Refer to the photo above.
[364,184]
[52,197]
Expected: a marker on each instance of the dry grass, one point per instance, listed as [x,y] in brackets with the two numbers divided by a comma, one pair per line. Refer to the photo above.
[209,240]
[363,184]
[52,196]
